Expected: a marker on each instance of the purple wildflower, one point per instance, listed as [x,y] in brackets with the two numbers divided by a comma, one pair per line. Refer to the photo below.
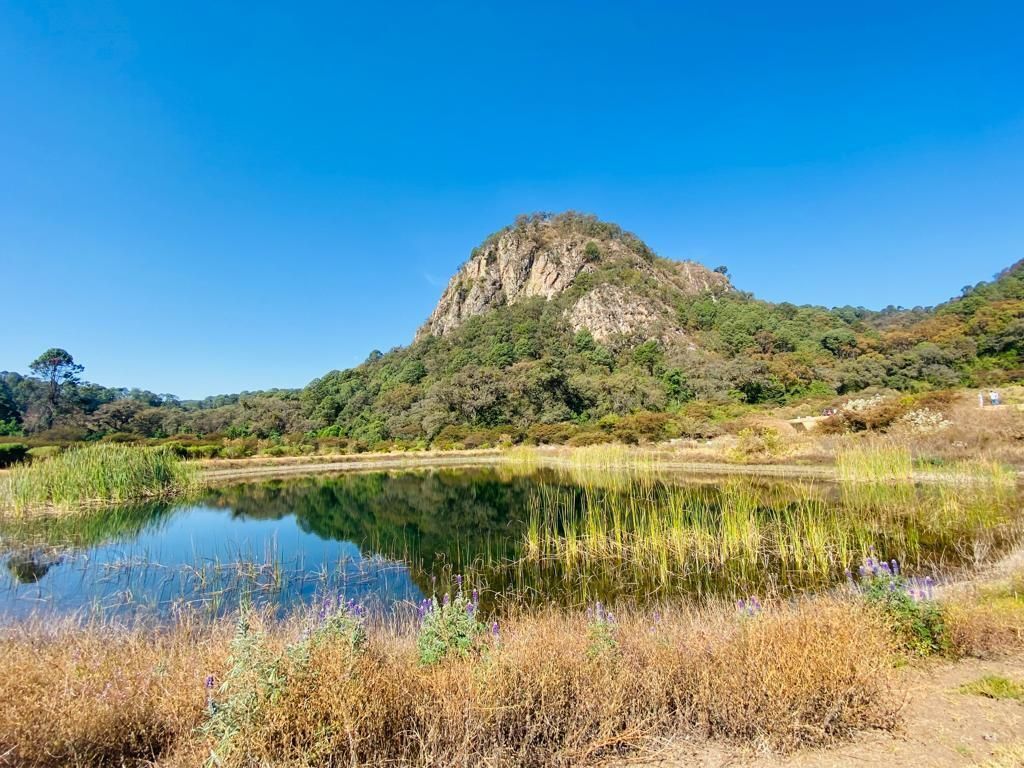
[209,682]
[494,630]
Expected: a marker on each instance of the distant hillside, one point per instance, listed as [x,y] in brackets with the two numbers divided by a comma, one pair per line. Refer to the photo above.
[564,326]
[569,319]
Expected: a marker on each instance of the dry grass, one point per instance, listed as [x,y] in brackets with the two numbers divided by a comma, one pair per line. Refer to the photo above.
[989,619]
[541,696]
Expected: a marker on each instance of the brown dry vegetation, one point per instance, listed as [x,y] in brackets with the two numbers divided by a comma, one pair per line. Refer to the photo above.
[804,674]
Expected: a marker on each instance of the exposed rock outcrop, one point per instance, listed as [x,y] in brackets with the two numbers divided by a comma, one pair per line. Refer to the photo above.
[546,255]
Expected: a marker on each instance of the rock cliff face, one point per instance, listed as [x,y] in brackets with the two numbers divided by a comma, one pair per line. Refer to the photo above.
[545,256]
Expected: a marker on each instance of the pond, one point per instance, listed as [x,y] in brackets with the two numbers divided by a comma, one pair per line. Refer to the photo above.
[521,536]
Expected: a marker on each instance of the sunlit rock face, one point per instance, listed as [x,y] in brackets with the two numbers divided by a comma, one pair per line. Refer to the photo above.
[547,256]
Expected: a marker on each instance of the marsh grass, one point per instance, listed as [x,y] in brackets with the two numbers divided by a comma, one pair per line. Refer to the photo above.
[659,538]
[96,474]
[796,674]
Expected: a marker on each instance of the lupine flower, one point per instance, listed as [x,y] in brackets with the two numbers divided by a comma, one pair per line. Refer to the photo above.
[895,567]
[494,630]
[447,598]
[476,596]
[458,582]
[209,682]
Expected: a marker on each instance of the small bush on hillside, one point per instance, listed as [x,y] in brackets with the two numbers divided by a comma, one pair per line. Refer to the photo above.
[550,434]
[10,428]
[758,443]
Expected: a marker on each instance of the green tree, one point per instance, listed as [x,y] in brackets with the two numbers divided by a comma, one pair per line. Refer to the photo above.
[59,370]
[648,355]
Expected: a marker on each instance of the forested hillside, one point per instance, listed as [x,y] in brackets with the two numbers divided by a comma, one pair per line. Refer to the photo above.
[560,324]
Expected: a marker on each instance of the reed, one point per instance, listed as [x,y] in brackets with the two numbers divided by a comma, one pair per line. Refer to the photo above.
[96,473]
[659,538]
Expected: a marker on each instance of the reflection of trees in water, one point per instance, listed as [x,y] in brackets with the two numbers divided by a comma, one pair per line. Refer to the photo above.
[30,566]
[454,515]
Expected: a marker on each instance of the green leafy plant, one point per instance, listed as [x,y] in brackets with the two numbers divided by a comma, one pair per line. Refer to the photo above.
[449,627]
[908,607]
[601,638]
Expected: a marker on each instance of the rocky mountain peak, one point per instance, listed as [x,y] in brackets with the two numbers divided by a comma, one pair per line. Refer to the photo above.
[543,255]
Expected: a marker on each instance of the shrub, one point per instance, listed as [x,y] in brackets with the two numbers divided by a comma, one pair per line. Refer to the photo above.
[12,453]
[870,413]
[449,627]
[259,676]
[758,442]
[549,434]
[907,607]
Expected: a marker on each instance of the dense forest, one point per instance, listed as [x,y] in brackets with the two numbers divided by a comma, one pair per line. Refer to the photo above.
[521,371]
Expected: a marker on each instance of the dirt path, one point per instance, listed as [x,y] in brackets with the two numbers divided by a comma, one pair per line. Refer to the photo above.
[942,728]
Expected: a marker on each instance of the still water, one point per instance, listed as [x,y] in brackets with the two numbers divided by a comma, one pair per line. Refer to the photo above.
[537,536]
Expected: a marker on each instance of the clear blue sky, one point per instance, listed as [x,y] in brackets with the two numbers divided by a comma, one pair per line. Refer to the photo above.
[207,197]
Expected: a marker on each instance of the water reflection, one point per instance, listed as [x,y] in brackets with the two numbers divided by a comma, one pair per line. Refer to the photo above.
[530,536]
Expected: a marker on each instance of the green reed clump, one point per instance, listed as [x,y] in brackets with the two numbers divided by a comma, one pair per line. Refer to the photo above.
[875,463]
[96,473]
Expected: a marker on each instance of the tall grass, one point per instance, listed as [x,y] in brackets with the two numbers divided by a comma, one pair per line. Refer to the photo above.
[539,694]
[96,473]
[656,538]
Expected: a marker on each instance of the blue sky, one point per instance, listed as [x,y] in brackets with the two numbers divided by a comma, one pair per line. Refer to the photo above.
[208,197]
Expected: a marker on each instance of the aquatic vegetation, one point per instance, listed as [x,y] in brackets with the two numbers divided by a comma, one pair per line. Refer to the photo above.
[96,473]
[660,538]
